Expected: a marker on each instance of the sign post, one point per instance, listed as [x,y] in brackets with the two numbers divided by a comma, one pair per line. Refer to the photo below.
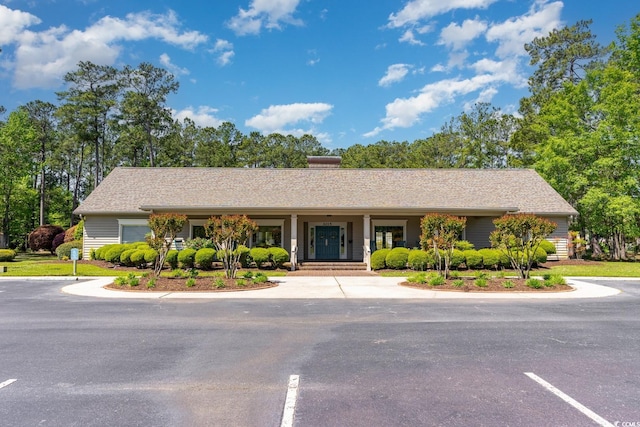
[75,254]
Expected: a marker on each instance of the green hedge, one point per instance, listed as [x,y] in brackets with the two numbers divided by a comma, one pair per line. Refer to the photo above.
[548,247]
[150,255]
[137,258]
[419,260]
[397,258]
[187,258]
[125,257]
[457,258]
[278,256]
[64,250]
[205,258]
[491,258]
[473,259]
[378,259]
[259,256]
[7,254]
[172,259]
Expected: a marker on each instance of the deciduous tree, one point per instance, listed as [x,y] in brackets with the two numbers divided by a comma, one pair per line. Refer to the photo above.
[519,236]
[228,232]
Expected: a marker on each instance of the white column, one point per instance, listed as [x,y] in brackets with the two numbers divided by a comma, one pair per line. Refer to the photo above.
[294,241]
[367,241]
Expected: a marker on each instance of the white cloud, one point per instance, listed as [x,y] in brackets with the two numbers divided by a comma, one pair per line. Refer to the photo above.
[409,37]
[13,22]
[43,58]
[224,49]
[456,36]
[512,34]
[406,112]
[417,10]
[203,116]
[278,117]
[268,13]
[395,73]
[174,69]
[484,96]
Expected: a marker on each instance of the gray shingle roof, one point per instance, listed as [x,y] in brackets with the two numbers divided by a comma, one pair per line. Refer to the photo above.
[127,190]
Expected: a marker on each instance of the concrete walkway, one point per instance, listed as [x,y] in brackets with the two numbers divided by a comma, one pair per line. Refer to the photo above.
[347,287]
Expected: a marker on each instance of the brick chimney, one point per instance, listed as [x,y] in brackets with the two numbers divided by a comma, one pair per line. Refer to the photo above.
[324,161]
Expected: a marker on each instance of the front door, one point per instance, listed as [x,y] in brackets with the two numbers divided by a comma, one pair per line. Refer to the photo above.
[327,242]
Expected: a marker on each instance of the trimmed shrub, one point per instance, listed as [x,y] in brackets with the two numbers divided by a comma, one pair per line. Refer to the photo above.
[113,255]
[7,254]
[57,241]
[199,243]
[245,259]
[548,247]
[397,258]
[457,258]
[259,256]
[464,245]
[137,258]
[278,256]
[540,256]
[42,237]
[79,229]
[205,257]
[172,259]
[490,257]
[187,258]
[419,260]
[64,250]
[378,259]
[473,259]
[125,257]
[150,255]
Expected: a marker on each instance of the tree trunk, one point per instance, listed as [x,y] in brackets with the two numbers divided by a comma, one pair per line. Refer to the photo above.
[596,249]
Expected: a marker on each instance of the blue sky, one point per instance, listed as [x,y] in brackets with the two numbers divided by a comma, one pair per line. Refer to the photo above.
[345,71]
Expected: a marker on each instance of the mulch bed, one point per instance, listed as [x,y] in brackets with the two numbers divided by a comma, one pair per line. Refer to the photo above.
[202,284]
[493,285]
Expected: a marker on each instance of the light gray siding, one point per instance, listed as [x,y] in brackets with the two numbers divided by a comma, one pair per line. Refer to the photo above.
[478,230]
[99,231]
[560,238]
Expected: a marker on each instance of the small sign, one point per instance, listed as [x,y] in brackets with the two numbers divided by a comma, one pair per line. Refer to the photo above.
[75,254]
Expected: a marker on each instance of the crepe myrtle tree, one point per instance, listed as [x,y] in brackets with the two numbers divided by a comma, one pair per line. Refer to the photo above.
[228,232]
[164,229]
[440,233]
[519,236]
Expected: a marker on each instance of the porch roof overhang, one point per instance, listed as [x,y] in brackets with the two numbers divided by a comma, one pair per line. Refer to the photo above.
[400,211]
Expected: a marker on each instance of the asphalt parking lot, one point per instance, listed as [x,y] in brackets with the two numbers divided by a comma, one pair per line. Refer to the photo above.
[69,360]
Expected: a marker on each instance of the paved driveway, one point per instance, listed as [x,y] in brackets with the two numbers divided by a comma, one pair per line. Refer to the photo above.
[86,361]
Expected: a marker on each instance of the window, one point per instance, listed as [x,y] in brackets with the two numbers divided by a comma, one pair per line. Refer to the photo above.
[133,230]
[198,231]
[269,233]
[388,234]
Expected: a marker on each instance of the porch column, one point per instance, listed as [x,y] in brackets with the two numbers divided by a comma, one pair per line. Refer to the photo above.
[294,241]
[367,241]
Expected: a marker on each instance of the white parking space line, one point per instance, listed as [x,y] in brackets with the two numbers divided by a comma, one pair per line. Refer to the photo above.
[290,401]
[7,382]
[580,407]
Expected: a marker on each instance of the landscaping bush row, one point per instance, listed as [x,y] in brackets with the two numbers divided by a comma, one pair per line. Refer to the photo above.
[7,254]
[140,254]
[420,260]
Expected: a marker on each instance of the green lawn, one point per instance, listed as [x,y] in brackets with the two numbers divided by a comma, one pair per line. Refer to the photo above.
[47,265]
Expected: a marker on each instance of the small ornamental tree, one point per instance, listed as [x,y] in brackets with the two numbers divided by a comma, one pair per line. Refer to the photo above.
[164,229]
[228,232]
[440,233]
[519,236]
